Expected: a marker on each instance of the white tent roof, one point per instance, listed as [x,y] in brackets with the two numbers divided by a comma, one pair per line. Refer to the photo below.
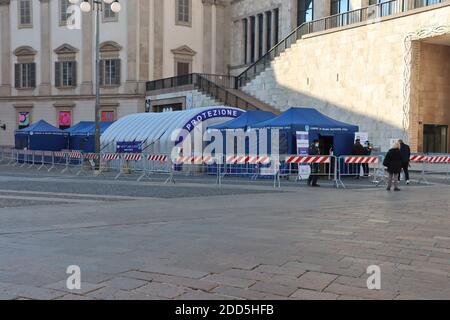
[155,129]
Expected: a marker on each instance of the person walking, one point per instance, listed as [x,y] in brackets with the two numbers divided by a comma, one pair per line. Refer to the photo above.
[406,158]
[393,162]
[357,150]
[313,177]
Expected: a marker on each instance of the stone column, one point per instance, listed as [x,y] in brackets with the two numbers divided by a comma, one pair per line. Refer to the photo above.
[144,34]
[158,56]
[5,54]
[249,40]
[257,37]
[132,47]
[207,35]
[46,50]
[87,58]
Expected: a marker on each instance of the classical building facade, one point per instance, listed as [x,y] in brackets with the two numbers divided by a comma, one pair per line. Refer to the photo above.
[47,56]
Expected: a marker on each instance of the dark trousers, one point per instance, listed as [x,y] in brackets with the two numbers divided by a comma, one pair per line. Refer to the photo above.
[314,174]
[365,169]
[405,167]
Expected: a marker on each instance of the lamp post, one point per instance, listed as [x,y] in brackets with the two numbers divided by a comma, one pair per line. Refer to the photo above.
[97,6]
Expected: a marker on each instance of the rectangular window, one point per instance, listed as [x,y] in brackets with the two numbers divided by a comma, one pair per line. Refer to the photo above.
[108,14]
[252,38]
[65,74]
[183,12]
[25,75]
[110,72]
[63,11]
[260,34]
[183,68]
[25,13]
[107,116]
[305,11]
[269,30]
[276,23]
[24,119]
[64,119]
[245,26]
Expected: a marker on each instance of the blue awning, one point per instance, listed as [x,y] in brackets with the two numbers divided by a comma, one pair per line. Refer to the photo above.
[307,119]
[42,128]
[246,120]
[87,128]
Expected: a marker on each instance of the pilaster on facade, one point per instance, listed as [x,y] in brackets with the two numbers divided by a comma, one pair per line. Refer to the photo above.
[5,53]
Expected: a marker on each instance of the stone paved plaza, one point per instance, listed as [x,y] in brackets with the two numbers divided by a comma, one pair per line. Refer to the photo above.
[197,241]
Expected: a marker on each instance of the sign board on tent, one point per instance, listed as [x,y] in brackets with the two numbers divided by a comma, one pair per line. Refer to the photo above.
[303,149]
[302,142]
[129,147]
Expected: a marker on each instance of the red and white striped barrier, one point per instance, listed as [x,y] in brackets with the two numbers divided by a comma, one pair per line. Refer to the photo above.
[438,159]
[60,154]
[157,157]
[90,156]
[195,160]
[417,158]
[111,156]
[75,155]
[356,159]
[132,157]
[244,159]
[308,159]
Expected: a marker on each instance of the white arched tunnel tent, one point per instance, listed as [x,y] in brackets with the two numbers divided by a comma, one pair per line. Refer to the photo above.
[154,131]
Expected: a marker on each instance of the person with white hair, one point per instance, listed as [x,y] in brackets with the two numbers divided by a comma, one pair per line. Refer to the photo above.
[393,162]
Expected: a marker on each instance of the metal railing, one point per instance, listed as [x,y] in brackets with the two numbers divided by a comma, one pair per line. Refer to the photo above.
[217,86]
[225,81]
[372,12]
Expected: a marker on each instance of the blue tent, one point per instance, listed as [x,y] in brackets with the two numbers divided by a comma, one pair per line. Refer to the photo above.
[41,136]
[317,124]
[245,120]
[82,135]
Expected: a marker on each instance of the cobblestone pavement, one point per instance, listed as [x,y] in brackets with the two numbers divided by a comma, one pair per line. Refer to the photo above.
[197,241]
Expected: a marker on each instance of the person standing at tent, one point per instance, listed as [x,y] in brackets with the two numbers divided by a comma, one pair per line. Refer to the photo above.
[367,152]
[406,157]
[313,177]
[357,150]
[393,162]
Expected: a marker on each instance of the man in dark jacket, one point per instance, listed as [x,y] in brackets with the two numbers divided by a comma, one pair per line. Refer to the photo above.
[406,155]
[357,150]
[314,151]
[393,162]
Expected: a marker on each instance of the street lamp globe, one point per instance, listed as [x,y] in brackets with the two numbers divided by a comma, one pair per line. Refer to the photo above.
[116,7]
[85,6]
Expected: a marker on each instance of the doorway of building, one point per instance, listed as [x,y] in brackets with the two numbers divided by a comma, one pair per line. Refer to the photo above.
[326,144]
[435,138]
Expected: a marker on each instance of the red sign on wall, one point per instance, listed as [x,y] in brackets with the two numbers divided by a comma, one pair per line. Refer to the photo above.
[107,116]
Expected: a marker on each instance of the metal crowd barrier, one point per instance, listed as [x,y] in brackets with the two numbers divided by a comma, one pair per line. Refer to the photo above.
[305,166]
[370,167]
[222,167]
[432,164]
